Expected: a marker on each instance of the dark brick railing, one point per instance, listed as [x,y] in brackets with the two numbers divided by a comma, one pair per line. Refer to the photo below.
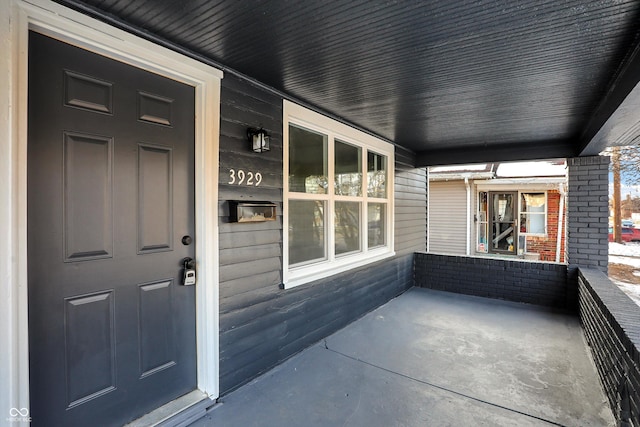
[611,322]
[540,283]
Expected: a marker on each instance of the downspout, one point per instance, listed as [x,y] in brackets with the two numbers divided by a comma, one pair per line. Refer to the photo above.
[560,221]
[428,212]
[466,184]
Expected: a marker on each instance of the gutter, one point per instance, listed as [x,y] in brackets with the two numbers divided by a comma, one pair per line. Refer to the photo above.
[454,176]
[468,187]
[525,181]
[428,212]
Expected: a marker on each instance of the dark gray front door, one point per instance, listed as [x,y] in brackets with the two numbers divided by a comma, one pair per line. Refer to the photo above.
[110,196]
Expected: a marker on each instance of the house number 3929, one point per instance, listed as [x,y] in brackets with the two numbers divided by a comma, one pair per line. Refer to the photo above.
[240,177]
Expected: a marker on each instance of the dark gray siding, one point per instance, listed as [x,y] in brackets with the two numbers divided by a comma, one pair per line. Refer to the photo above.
[261,324]
[410,204]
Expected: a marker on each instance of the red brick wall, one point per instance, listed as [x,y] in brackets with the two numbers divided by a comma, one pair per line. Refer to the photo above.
[546,246]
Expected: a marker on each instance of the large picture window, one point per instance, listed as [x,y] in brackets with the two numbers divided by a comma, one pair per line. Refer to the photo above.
[338,208]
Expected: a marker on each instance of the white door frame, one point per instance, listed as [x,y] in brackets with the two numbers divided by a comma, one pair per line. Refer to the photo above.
[17,17]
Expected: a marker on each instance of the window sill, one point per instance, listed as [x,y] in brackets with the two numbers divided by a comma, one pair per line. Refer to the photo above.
[300,276]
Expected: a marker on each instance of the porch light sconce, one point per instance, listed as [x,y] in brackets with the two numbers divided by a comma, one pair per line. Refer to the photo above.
[259,139]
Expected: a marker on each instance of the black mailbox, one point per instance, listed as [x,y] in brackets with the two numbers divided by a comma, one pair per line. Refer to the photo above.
[240,211]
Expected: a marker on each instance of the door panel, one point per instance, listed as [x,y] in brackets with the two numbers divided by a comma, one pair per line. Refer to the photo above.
[88,92]
[154,108]
[110,195]
[157,350]
[88,187]
[89,329]
[155,199]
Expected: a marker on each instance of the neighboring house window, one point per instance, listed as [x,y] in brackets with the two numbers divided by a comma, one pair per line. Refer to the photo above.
[483,225]
[533,213]
[338,197]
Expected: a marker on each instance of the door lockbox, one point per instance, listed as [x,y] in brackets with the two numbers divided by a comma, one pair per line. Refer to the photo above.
[189,277]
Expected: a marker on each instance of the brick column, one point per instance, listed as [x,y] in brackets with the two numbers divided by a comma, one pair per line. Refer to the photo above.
[587,217]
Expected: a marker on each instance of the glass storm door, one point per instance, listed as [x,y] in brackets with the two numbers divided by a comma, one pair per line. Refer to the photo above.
[503,223]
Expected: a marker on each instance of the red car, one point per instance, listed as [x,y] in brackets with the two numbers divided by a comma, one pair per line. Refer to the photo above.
[629,234]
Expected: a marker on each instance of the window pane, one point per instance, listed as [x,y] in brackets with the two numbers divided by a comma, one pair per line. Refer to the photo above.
[376,217]
[482,237]
[347,224]
[482,218]
[377,175]
[532,223]
[306,231]
[532,202]
[504,207]
[348,170]
[532,208]
[307,161]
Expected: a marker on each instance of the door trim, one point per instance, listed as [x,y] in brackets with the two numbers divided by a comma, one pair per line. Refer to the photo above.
[72,27]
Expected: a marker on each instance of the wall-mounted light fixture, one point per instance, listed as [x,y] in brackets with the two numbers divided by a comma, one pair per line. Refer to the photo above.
[259,139]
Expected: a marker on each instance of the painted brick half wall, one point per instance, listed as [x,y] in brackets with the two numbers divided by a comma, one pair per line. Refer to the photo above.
[611,322]
[540,283]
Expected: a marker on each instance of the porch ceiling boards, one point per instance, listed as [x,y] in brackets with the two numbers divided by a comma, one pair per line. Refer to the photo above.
[456,81]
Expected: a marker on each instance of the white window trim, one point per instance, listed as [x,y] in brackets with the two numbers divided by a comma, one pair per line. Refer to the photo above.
[300,116]
[546,213]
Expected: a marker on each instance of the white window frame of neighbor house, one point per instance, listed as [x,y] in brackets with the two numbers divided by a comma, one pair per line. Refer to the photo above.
[545,213]
[332,263]
[496,189]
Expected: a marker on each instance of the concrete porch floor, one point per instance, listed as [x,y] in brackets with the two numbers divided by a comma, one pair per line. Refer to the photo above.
[430,358]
